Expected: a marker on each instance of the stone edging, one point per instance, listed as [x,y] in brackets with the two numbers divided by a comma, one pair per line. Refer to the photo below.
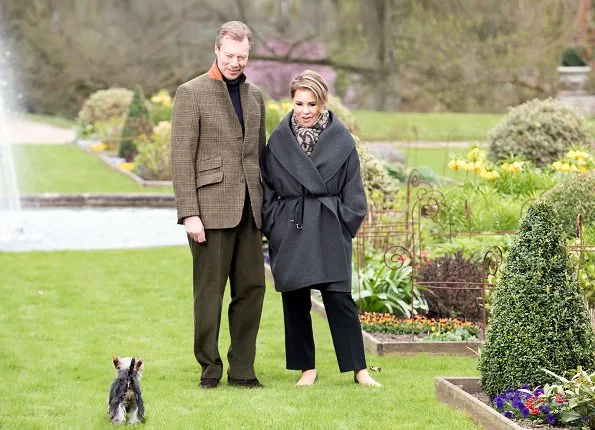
[101,200]
[374,346]
[457,393]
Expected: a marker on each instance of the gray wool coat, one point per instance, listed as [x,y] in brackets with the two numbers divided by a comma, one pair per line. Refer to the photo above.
[313,207]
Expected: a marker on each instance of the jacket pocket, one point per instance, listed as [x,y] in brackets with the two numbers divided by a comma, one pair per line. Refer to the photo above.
[209,163]
[209,178]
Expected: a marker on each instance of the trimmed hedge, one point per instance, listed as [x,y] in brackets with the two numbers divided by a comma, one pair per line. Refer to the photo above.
[539,316]
[574,196]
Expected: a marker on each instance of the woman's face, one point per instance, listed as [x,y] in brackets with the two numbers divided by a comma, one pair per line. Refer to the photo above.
[306,107]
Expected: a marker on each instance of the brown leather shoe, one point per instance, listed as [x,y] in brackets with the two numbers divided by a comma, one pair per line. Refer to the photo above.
[209,383]
[246,383]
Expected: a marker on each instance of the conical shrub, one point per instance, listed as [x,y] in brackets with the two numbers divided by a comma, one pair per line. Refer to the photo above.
[539,317]
[138,123]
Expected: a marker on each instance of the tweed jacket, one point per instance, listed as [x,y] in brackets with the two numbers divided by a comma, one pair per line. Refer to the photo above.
[212,164]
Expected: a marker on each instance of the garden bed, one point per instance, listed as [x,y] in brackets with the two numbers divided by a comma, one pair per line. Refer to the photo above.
[110,159]
[465,394]
[383,344]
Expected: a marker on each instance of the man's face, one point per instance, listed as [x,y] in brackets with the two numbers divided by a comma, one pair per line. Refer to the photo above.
[232,57]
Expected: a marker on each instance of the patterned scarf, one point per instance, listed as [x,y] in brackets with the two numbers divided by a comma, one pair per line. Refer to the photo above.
[307,137]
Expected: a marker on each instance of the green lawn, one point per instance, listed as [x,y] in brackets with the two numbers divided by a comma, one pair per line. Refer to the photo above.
[63,315]
[69,169]
[405,126]
[48,119]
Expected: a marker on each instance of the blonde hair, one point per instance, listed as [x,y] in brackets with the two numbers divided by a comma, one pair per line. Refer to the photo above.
[313,81]
[235,30]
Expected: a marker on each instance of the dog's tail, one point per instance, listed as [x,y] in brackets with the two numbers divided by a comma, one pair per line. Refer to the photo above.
[131,370]
[135,386]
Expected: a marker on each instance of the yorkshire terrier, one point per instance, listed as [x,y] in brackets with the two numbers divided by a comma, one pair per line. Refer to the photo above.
[125,395]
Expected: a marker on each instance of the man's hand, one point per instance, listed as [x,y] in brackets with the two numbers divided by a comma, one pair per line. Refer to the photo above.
[195,229]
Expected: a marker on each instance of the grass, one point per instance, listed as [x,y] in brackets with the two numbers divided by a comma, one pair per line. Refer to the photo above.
[63,314]
[48,119]
[68,169]
[401,126]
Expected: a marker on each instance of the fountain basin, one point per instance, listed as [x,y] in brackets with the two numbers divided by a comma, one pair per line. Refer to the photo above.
[51,229]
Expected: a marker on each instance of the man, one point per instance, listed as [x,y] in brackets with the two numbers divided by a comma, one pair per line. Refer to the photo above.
[218,133]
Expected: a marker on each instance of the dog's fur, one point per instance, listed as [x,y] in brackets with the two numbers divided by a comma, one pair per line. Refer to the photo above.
[125,395]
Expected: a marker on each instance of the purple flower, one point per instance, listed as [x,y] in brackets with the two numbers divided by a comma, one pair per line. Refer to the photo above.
[525,411]
[517,403]
[526,387]
[545,408]
[550,419]
[508,414]
[509,394]
[538,392]
[500,402]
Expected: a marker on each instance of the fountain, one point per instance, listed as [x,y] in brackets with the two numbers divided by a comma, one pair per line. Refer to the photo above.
[10,205]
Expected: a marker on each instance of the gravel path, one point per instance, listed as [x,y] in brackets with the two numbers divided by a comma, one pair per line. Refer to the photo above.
[25,131]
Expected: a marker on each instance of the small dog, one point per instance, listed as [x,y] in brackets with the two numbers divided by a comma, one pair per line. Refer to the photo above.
[125,396]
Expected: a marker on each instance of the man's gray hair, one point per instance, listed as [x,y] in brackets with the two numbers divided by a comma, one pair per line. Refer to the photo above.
[235,30]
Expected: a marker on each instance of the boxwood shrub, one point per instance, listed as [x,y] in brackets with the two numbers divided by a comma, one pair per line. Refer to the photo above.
[539,317]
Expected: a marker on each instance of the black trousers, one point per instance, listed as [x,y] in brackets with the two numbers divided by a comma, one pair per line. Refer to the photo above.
[343,321]
[234,253]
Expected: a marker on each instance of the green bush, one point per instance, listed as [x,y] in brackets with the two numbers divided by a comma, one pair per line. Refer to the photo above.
[539,130]
[138,123]
[153,159]
[539,317]
[103,105]
[573,56]
[574,196]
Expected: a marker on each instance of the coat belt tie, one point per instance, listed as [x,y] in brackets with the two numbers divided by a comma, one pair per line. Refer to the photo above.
[298,217]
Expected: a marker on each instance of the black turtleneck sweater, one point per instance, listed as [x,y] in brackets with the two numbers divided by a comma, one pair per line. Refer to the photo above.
[234,94]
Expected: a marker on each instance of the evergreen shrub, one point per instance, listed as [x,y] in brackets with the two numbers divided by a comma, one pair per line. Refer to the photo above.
[539,131]
[539,317]
[574,196]
[138,123]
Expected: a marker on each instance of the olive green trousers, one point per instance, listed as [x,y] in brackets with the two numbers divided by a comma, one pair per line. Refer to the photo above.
[234,254]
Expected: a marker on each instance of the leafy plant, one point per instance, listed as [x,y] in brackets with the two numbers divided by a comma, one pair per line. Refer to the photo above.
[153,158]
[386,290]
[451,302]
[138,122]
[539,131]
[539,316]
[578,394]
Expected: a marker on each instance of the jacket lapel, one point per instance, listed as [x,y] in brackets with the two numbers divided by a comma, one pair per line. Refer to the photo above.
[284,147]
[333,148]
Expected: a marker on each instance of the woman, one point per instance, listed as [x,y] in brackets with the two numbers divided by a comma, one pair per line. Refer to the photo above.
[314,203]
